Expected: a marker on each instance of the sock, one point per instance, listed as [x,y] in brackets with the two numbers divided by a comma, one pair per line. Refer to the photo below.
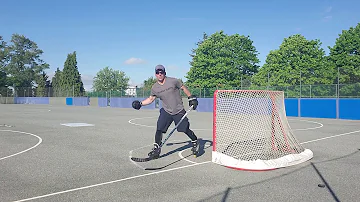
[191,134]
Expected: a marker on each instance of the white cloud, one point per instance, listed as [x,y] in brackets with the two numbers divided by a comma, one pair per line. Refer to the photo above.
[327,18]
[132,61]
[327,14]
[328,9]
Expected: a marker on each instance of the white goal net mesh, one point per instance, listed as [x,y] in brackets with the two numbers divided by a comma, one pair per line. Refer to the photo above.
[251,131]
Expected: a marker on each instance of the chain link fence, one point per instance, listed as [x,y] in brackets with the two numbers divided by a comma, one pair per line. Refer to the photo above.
[297,91]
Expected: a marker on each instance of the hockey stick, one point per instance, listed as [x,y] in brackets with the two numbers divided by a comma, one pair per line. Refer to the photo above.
[167,164]
[163,142]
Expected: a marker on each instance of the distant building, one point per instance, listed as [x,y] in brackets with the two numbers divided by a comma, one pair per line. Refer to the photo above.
[131,91]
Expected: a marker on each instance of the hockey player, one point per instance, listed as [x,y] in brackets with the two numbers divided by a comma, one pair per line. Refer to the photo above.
[168,90]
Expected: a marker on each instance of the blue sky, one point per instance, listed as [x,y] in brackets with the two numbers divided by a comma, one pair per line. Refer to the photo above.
[135,36]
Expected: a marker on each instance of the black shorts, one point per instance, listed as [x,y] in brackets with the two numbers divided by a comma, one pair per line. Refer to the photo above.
[165,120]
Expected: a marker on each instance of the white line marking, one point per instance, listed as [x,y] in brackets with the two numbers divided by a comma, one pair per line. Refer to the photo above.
[152,173]
[130,155]
[76,124]
[13,131]
[324,138]
[183,158]
[321,125]
[110,182]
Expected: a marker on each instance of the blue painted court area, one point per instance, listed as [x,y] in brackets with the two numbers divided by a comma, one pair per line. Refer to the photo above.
[61,153]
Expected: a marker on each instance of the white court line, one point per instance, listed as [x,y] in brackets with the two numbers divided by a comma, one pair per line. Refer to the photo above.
[110,182]
[152,173]
[324,138]
[321,125]
[13,131]
[130,155]
[182,157]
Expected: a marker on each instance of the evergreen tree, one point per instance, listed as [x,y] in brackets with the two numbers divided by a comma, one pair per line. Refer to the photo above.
[71,78]
[56,83]
[41,80]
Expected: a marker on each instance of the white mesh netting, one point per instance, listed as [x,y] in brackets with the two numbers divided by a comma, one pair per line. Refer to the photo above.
[251,131]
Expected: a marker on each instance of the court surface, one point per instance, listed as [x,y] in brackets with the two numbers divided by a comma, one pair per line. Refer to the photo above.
[42,158]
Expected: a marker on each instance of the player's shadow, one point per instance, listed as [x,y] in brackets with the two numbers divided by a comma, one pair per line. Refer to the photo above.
[201,152]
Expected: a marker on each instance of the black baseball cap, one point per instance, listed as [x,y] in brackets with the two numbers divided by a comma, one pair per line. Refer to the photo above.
[160,67]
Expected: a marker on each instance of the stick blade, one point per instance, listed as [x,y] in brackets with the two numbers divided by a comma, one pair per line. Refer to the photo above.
[141,159]
[155,168]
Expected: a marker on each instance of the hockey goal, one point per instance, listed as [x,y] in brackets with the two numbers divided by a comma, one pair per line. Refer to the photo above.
[251,131]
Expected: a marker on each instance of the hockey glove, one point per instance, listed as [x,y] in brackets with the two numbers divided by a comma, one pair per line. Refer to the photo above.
[136,104]
[193,101]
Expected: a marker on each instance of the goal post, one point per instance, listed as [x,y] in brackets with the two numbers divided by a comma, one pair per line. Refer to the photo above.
[251,131]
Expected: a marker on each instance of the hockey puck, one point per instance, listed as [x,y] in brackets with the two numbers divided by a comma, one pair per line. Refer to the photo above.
[321,185]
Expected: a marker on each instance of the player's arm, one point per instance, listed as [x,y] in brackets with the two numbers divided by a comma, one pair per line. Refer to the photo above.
[186,90]
[137,104]
[148,100]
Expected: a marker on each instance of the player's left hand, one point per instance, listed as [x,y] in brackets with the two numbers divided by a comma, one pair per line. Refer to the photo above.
[136,104]
[193,101]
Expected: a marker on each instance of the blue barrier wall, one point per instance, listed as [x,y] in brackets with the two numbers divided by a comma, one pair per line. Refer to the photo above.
[318,107]
[127,102]
[292,107]
[333,108]
[349,109]
[102,102]
[205,105]
[31,100]
[69,101]
[343,108]
[81,101]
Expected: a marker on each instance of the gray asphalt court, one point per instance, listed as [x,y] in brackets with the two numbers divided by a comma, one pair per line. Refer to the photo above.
[69,153]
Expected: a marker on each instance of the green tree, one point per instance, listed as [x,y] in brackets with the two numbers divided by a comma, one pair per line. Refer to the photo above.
[110,80]
[71,78]
[57,89]
[3,75]
[148,83]
[3,88]
[24,61]
[345,56]
[297,61]
[222,60]
[3,54]
[23,64]
[41,89]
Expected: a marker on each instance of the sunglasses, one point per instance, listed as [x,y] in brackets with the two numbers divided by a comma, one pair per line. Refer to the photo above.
[159,72]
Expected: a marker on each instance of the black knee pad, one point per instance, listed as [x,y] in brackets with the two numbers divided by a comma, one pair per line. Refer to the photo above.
[183,127]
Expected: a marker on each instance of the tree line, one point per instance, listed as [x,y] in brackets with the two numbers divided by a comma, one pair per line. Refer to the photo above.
[223,61]
[22,68]
[219,61]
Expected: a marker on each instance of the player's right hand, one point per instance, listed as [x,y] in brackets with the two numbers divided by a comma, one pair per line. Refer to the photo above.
[136,104]
[193,101]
